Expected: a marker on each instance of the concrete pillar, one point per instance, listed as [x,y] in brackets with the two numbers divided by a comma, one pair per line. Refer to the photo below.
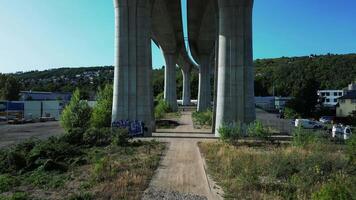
[133,97]
[204,93]
[186,96]
[235,97]
[170,81]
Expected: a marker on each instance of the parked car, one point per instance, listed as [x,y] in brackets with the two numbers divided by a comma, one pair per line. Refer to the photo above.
[340,131]
[308,124]
[326,119]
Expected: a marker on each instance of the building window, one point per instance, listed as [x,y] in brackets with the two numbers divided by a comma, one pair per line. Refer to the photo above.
[335,93]
[327,93]
[327,100]
[335,100]
[340,94]
[323,94]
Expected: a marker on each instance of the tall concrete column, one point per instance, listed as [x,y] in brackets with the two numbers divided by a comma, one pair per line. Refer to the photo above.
[170,81]
[204,93]
[133,97]
[186,96]
[235,97]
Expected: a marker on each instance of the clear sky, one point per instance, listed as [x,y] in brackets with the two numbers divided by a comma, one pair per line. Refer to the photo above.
[42,34]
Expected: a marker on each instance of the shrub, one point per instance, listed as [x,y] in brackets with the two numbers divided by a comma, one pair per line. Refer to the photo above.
[15,196]
[76,114]
[336,189]
[290,113]
[256,129]
[103,169]
[74,136]
[203,118]
[97,137]
[81,196]
[161,109]
[351,149]
[231,132]
[121,137]
[303,137]
[101,116]
[7,182]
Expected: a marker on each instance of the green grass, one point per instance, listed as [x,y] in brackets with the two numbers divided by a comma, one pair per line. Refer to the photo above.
[202,119]
[285,172]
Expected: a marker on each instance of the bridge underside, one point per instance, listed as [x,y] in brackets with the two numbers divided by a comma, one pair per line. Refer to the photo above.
[220,36]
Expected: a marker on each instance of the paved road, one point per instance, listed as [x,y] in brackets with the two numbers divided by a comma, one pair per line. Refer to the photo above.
[182,169]
[12,134]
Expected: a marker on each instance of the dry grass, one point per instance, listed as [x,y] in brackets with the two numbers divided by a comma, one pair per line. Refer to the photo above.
[271,172]
[112,172]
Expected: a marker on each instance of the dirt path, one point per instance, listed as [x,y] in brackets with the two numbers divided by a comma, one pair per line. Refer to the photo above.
[182,169]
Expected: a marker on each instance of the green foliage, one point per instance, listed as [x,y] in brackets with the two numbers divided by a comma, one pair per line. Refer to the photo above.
[303,137]
[203,118]
[231,132]
[121,137]
[351,148]
[290,113]
[7,182]
[161,109]
[44,179]
[76,114]
[335,189]
[81,196]
[103,169]
[16,196]
[256,129]
[101,116]
[10,88]
[97,136]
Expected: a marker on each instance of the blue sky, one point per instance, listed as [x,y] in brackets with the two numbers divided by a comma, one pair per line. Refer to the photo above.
[42,34]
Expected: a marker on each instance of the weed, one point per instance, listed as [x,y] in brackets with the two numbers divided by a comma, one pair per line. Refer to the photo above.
[231,132]
[203,118]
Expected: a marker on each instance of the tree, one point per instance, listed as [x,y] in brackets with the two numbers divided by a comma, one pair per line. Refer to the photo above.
[76,114]
[10,88]
[101,116]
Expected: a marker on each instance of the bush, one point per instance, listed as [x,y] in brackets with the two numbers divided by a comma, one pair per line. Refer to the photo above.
[7,182]
[121,137]
[203,118]
[336,189]
[81,196]
[101,116]
[303,137]
[97,137]
[16,196]
[161,109]
[290,113]
[76,114]
[351,149]
[74,136]
[256,129]
[231,132]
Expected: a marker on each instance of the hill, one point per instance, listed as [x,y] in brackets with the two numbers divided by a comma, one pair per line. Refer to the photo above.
[285,76]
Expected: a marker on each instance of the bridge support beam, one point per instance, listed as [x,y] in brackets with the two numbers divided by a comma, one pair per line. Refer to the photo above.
[133,96]
[235,95]
[186,96]
[204,93]
[170,81]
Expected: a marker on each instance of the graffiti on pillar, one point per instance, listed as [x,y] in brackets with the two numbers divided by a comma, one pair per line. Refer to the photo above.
[135,128]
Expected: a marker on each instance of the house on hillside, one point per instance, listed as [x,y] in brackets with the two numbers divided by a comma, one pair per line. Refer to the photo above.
[329,97]
[346,104]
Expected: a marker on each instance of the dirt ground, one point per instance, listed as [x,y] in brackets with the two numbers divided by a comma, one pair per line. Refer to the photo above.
[12,134]
[182,168]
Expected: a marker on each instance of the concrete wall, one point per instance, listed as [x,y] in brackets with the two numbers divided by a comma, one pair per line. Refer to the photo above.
[345,108]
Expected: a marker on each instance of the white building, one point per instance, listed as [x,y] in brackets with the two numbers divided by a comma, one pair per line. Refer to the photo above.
[329,97]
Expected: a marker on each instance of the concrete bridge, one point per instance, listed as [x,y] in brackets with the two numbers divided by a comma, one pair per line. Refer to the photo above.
[220,38]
